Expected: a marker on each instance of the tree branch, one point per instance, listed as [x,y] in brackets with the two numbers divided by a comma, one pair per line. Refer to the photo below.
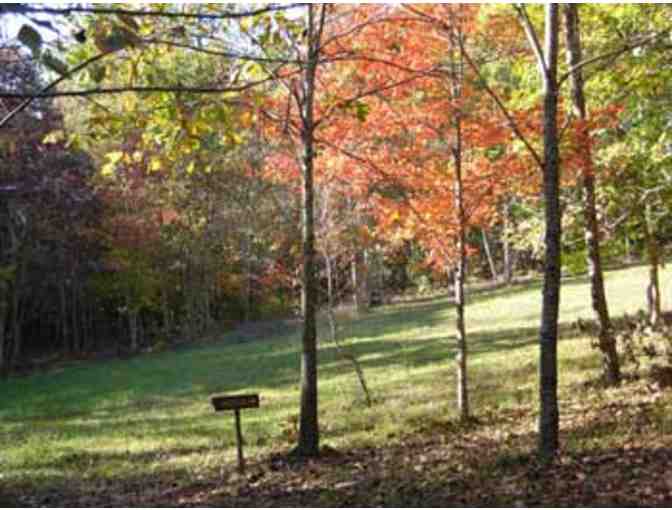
[532,37]
[509,118]
[31,97]
[65,11]
[138,89]
[610,54]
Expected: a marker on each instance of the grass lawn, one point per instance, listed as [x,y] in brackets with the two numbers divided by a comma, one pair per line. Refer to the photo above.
[141,425]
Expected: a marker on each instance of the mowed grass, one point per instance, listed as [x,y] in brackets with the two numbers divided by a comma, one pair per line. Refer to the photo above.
[150,418]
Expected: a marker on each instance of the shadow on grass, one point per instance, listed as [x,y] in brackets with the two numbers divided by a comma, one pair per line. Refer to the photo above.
[444,467]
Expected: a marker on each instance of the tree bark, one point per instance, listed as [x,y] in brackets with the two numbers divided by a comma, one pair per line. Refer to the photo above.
[458,193]
[488,254]
[360,282]
[65,331]
[308,437]
[461,357]
[607,341]
[74,311]
[548,334]
[508,261]
[17,331]
[4,293]
[653,289]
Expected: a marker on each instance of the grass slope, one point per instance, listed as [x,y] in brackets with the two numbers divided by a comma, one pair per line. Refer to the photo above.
[132,427]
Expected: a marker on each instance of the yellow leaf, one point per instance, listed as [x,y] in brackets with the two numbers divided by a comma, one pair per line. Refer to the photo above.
[114,157]
[155,165]
[108,169]
[54,137]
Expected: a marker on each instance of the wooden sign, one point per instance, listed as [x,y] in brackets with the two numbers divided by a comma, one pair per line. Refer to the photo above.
[235,403]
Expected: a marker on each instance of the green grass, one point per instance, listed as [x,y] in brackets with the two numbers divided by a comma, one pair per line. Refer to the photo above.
[150,416]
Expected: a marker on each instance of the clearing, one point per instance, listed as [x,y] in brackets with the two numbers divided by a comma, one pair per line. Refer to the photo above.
[141,431]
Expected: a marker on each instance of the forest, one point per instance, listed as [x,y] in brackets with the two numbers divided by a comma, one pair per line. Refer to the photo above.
[450,216]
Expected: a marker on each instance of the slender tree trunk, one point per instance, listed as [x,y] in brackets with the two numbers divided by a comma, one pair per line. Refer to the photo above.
[508,261]
[607,341]
[165,313]
[330,278]
[133,329]
[653,289]
[308,439]
[461,357]
[4,294]
[548,334]
[247,298]
[65,330]
[359,282]
[628,251]
[457,65]
[17,332]
[74,310]
[488,254]
[359,372]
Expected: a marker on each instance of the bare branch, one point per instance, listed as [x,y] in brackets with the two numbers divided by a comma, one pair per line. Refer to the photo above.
[509,118]
[31,97]
[138,89]
[534,40]
[611,54]
[65,11]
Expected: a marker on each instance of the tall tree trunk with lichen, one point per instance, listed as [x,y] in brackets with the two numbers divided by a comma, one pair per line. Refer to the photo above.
[607,341]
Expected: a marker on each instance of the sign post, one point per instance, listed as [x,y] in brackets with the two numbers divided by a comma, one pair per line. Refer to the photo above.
[235,403]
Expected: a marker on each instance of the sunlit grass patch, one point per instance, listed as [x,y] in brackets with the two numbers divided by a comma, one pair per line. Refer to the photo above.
[150,416]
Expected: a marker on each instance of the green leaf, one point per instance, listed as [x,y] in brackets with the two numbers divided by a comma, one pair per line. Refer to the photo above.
[362,111]
[31,38]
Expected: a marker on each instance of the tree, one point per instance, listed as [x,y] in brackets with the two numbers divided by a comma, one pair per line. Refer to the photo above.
[607,341]
[547,64]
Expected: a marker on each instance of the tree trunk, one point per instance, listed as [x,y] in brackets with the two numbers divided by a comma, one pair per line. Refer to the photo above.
[17,337]
[488,254]
[461,357]
[4,294]
[334,333]
[133,329]
[65,331]
[607,341]
[165,314]
[74,310]
[330,279]
[308,438]
[360,282]
[653,289]
[462,388]
[248,277]
[548,334]
[508,262]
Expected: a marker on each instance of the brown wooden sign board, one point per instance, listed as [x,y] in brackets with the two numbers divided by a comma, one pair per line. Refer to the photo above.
[233,402]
